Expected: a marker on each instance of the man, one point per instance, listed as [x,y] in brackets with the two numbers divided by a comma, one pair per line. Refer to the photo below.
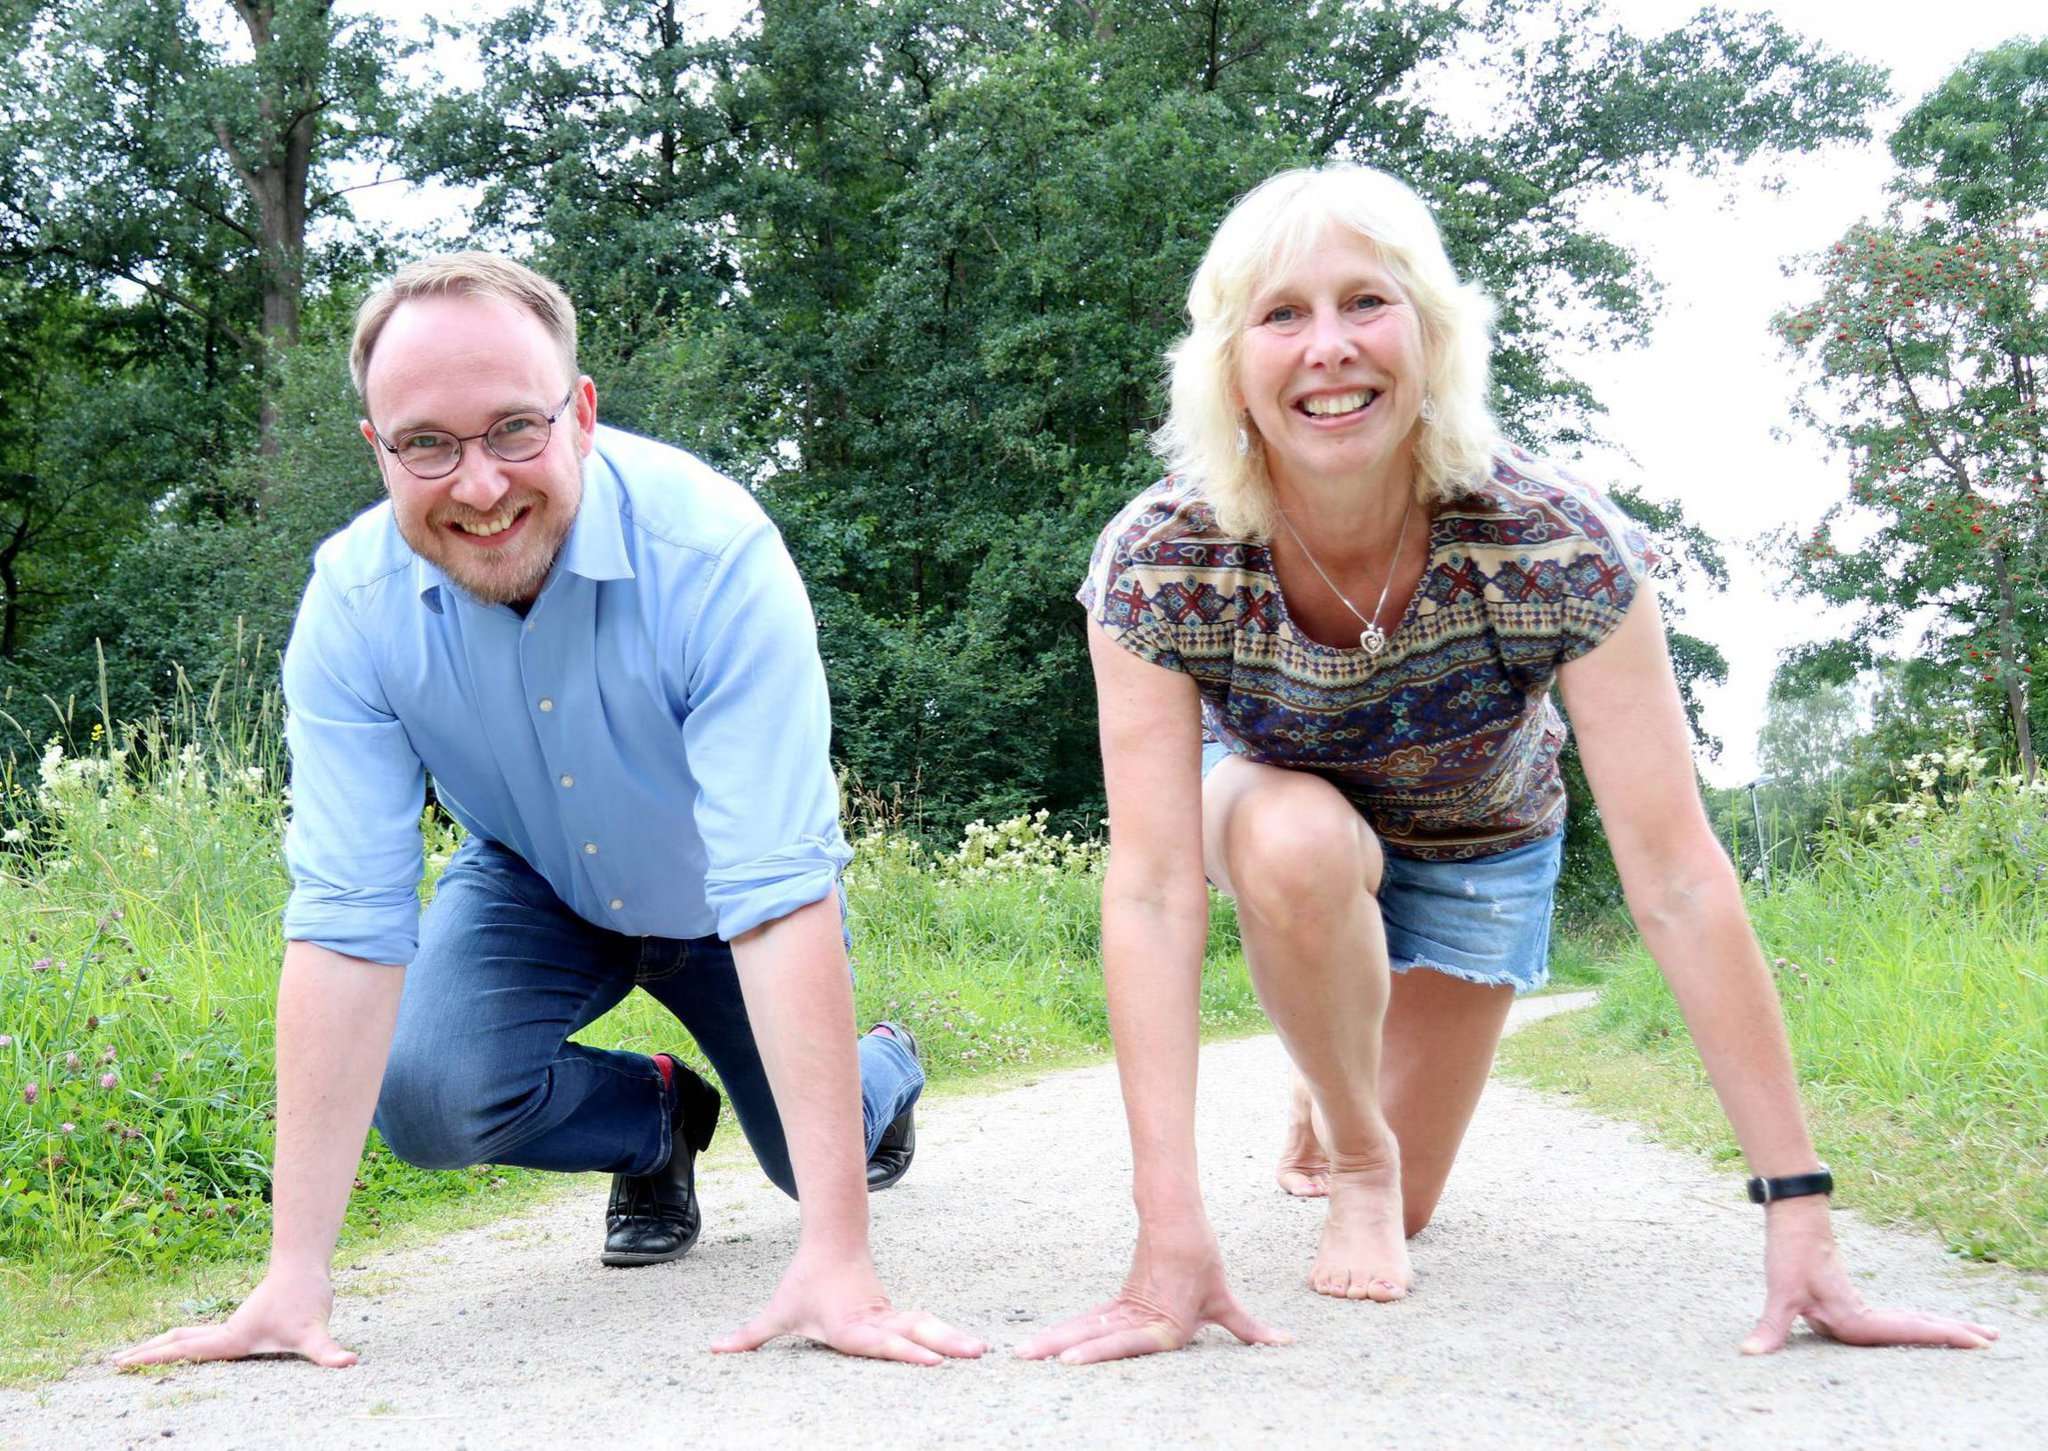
[600,651]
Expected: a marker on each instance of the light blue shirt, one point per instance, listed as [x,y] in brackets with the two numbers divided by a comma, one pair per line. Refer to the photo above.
[651,738]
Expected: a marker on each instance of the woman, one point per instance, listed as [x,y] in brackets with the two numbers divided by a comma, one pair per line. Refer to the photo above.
[1342,613]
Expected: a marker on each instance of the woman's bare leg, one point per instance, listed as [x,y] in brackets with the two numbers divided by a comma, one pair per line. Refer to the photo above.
[1304,1170]
[1437,1047]
[1303,868]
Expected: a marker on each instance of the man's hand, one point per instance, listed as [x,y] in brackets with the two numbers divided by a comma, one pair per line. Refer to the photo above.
[1175,1287]
[283,1316]
[844,1306]
[1803,1276]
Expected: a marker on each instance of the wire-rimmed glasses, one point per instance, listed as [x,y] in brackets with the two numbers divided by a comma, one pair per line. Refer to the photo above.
[434,453]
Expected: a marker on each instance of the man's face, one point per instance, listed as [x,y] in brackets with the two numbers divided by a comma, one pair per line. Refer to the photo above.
[457,365]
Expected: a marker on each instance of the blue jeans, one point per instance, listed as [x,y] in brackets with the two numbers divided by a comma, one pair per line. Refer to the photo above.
[482,1069]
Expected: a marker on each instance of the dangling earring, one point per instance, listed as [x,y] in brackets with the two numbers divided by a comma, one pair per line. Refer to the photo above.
[1244,441]
[1428,409]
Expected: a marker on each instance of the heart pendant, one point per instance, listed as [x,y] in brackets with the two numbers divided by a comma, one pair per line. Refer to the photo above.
[1372,639]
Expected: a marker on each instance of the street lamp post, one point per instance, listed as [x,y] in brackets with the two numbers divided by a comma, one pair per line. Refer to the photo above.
[1763,853]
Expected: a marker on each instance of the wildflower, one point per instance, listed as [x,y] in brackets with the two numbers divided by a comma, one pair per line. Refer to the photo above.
[30,1092]
[70,1062]
[6,1040]
[67,1128]
[41,964]
[109,1080]
[108,1056]
[14,835]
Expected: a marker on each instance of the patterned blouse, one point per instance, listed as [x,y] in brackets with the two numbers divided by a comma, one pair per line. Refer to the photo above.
[1447,742]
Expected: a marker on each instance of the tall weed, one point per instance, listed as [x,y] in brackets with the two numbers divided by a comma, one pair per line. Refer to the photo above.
[1912,960]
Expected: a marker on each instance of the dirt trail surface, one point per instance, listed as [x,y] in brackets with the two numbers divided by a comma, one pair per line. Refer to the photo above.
[1580,1288]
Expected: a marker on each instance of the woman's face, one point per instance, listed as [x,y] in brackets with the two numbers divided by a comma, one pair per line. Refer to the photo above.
[1330,366]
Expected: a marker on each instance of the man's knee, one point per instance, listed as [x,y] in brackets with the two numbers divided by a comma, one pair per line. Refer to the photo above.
[425,1116]
[781,1175]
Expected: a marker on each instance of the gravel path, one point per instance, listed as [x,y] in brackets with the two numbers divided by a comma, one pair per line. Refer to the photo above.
[1549,1311]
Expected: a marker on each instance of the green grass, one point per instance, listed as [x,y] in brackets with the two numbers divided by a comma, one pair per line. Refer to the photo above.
[140,886]
[1913,965]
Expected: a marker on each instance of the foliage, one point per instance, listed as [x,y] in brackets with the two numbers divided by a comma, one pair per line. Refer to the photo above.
[911,267]
[187,149]
[95,427]
[173,217]
[1929,336]
[196,596]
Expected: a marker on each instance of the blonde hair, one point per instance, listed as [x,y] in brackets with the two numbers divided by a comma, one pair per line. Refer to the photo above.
[1265,234]
[464,274]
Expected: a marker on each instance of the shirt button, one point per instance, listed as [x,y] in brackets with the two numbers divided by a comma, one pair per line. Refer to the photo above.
[617,903]
[546,703]
[590,848]
[568,780]
[529,624]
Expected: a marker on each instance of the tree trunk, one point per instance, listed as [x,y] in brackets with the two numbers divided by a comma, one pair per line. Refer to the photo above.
[2009,663]
[275,170]
[10,610]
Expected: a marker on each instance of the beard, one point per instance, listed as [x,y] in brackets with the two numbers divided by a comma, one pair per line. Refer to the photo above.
[511,575]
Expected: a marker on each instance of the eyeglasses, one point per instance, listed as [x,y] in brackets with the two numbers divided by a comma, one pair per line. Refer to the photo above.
[433,453]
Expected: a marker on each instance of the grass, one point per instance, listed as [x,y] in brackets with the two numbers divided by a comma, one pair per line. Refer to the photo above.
[1912,960]
[140,885]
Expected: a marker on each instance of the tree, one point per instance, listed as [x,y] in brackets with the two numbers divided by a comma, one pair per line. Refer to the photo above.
[932,252]
[1929,339]
[187,152]
[93,430]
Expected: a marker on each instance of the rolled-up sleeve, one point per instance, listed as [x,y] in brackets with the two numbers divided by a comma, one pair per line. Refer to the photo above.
[758,736]
[353,845]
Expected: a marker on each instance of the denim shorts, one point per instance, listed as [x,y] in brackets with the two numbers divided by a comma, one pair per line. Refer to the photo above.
[1485,921]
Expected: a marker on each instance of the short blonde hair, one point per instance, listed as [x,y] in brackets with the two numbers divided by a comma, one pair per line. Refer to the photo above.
[464,274]
[1266,233]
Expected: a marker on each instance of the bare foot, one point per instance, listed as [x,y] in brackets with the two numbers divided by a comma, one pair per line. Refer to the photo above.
[1364,1253]
[1304,1169]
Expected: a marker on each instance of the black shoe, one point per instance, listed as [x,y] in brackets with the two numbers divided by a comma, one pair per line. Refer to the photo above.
[898,1146]
[653,1218]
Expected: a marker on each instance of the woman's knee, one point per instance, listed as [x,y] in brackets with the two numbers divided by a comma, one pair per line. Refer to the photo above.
[1298,847]
[1415,1218]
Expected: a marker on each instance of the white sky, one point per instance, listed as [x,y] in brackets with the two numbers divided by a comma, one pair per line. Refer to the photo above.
[1694,413]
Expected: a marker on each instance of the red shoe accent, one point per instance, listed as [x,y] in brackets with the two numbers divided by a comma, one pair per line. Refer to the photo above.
[667,1066]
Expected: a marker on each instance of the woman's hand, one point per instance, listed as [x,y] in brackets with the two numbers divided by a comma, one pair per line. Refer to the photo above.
[1175,1287]
[1803,1277]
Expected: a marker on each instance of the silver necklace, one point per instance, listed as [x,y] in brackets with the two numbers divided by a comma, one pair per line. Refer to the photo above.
[1372,639]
